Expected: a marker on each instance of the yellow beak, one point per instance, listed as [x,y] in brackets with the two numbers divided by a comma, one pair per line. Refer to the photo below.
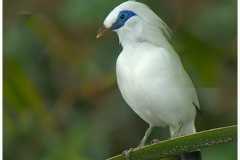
[102,31]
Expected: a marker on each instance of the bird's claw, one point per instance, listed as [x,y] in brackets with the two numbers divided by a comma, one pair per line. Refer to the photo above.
[127,153]
[154,141]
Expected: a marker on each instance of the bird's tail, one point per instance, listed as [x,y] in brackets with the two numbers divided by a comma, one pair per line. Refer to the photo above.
[195,155]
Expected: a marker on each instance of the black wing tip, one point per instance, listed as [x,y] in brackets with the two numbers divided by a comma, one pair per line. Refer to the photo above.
[199,112]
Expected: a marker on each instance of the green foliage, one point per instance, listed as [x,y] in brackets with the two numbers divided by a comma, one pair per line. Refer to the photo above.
[183,144]
[60,98]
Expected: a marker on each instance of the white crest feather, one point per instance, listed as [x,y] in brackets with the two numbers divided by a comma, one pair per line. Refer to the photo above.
[144,12]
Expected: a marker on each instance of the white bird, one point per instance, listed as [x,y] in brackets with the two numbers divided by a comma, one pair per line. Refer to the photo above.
[150,75]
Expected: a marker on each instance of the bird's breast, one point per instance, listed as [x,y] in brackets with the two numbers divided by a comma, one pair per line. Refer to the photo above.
[138,75]
[152,85]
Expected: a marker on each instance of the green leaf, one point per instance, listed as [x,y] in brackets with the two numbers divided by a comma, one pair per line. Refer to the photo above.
[183,144]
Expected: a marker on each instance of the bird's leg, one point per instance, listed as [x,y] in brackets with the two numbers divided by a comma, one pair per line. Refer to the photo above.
[177,130]
[147,133]
[143,142]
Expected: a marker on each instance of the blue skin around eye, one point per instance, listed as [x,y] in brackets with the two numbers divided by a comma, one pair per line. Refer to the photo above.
[120,22]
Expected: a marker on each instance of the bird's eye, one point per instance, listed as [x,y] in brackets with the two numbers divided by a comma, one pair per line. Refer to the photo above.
[122,16]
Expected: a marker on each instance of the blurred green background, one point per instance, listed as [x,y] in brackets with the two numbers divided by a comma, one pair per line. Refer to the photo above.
[60,97]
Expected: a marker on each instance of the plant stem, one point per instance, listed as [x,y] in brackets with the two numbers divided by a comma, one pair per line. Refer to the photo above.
[183,144]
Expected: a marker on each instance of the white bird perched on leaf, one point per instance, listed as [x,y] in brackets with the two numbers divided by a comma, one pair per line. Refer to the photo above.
[150,75]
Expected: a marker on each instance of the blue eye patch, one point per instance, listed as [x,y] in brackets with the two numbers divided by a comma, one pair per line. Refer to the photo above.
[123,16]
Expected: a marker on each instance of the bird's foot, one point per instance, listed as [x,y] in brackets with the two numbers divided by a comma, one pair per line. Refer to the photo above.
[154,141]
[127,153]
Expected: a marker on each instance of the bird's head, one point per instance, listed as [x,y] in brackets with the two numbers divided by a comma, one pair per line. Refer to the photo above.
[135,21]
